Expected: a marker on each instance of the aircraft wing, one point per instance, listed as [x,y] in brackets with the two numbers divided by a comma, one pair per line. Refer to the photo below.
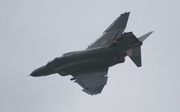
[91,79]
[114,31]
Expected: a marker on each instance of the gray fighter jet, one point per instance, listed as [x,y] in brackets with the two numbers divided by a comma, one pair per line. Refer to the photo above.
[89,67]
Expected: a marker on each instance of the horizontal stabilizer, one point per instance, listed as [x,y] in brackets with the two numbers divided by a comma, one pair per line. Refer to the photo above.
[142,38]
[135,55]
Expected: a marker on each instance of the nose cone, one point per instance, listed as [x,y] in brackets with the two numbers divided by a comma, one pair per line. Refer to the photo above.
[39,71]
[42,71]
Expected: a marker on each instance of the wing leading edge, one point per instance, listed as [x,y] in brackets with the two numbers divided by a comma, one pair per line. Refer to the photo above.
[92,80]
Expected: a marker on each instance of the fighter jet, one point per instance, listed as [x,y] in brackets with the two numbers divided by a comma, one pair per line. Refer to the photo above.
[89,67]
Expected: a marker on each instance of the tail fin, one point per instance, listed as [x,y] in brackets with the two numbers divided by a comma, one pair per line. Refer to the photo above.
[135,52]
[135,55]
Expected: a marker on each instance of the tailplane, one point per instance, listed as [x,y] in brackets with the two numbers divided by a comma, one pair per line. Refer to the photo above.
[135,52]
[142,38]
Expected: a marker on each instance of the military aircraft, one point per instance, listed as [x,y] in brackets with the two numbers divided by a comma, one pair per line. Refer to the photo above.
[89,67]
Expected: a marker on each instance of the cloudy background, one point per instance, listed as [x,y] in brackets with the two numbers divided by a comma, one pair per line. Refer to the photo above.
[32,32]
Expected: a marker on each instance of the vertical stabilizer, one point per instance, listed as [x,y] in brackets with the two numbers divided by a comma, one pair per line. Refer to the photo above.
[135,52]
[135,55]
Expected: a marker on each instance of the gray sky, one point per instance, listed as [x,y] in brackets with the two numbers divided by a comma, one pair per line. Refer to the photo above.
[34,32]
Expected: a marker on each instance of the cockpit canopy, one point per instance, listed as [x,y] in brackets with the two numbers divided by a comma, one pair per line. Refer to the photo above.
[68,54]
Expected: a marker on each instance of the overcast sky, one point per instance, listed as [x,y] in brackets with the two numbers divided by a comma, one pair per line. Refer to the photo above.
[33,32]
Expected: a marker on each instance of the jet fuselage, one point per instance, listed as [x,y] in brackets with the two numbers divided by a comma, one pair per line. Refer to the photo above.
[69,62]
[89,67]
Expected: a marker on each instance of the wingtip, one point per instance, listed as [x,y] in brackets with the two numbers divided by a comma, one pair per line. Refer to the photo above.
[125,13]
[151,32]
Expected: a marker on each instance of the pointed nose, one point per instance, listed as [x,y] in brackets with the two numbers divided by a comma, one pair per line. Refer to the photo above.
[39,72]
[42,71]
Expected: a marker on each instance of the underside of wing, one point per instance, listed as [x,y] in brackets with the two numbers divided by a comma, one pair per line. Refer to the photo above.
[92,80]
[114,31]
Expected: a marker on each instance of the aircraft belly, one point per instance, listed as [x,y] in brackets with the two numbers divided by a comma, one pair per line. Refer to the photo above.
[89,60]
[70,67]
